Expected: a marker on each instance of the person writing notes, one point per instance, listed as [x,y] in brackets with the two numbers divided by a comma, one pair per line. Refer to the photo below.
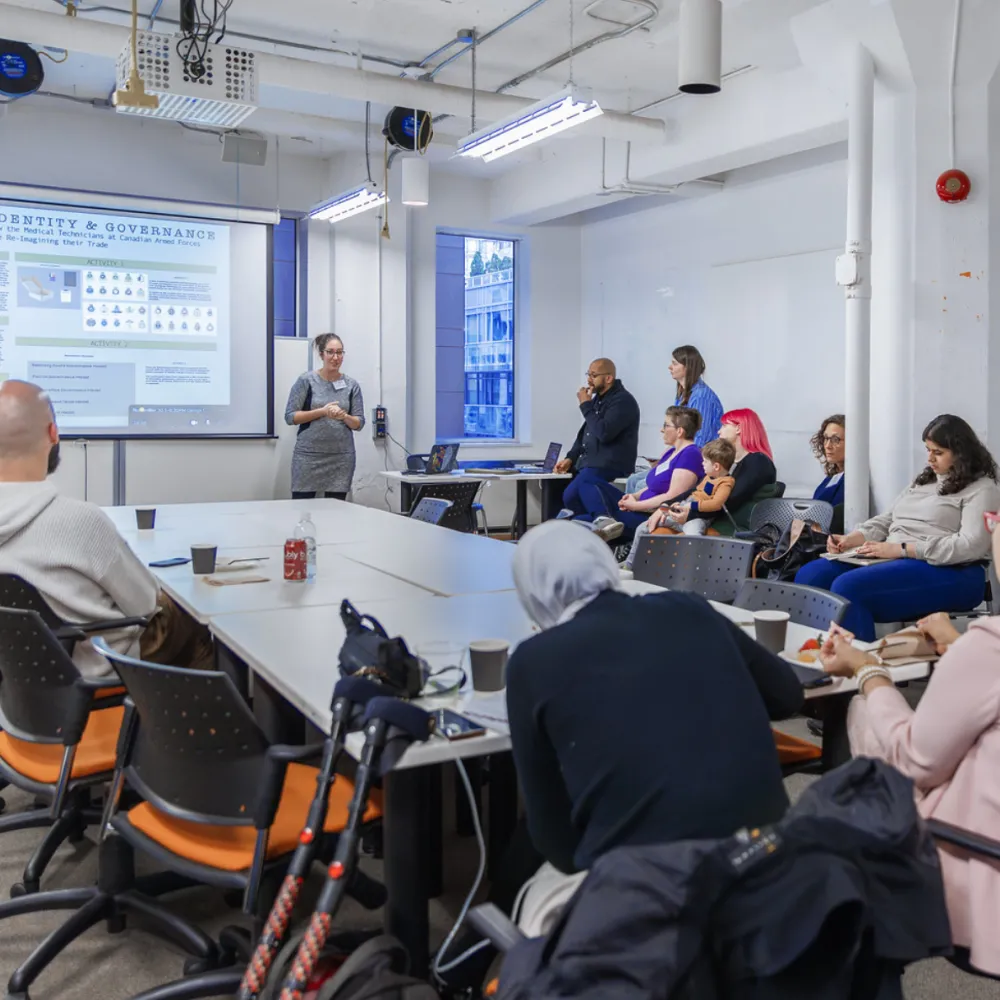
[608,442]
[949,745]
[329,410]
[932,540]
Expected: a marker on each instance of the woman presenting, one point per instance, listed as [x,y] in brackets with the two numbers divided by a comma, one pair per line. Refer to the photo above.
[329,409]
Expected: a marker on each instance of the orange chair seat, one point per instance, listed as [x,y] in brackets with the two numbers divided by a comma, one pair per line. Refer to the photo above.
[230,848]
[41,761]
[792,750]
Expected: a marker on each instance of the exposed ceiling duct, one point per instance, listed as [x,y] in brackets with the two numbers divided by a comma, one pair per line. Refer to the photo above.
[700,63]
[100,38]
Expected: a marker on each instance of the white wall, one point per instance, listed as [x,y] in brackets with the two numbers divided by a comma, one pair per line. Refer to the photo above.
[746,275]
[547,325]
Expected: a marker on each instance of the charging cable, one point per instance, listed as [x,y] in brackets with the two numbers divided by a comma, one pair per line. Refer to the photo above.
[437,968]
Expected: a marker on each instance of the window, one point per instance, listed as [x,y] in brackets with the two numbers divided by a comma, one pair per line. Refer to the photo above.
[475,337]
[284,245]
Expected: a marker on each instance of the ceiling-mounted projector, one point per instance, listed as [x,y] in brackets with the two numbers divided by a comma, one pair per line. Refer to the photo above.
[21,70]
[402,126]
[224,95]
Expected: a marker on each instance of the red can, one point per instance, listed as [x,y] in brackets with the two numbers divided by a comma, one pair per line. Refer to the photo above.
[295,559]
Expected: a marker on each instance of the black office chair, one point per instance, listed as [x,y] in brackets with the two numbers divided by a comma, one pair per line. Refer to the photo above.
[430,510]
[221,806]
[462,493]
[16,592]
[807,606]
[59,735]
[713,567]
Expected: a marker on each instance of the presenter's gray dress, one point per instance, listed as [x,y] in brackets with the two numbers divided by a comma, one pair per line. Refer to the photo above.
[324,458]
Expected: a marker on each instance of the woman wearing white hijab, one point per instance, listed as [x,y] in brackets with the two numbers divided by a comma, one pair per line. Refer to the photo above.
[634,720]
[665,736]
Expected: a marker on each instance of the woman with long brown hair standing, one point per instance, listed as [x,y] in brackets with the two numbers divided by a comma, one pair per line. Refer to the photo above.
[687,367]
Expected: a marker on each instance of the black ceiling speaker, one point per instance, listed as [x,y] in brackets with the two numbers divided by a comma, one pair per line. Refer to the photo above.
[408,129]
[21,70]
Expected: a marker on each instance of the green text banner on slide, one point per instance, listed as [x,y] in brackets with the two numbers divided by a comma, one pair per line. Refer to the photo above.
[138,325]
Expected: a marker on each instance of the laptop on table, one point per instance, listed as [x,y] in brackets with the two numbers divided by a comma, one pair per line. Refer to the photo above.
[549,464]
[442,460]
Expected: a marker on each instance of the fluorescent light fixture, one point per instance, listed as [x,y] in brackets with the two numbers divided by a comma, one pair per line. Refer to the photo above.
[569,107]
[358,199]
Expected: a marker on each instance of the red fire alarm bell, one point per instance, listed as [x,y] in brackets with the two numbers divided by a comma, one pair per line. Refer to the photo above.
[953,185]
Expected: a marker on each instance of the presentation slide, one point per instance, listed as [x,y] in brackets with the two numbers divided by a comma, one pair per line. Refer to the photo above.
[137,325]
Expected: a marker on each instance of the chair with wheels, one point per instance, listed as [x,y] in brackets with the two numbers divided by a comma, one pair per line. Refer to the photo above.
[58,739]
[807,606]
[462,493]
[430,510]
[715,568]
[220,806]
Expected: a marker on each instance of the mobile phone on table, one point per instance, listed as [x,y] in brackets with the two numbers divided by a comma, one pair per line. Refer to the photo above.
[453,726]
[810,677]
[176,561]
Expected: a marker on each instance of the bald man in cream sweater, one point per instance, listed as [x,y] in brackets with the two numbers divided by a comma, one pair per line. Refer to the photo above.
[69,550]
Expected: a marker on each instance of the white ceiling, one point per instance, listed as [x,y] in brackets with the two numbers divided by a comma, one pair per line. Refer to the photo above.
[625,73]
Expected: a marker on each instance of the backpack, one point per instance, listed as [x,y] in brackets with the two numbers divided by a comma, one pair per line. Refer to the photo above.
[375,970]
[801,543]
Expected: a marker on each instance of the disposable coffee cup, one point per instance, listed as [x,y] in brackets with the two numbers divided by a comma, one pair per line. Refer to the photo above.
[203,559]
[771,628]
[145,518]
[488,658]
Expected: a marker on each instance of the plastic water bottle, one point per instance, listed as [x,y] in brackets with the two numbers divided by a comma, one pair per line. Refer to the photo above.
[306,530]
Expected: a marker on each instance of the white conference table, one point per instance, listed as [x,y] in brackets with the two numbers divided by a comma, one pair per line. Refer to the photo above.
[336,578]
[409,483]
[285,647]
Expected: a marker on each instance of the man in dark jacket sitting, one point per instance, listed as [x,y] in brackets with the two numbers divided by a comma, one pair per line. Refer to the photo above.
[608,442]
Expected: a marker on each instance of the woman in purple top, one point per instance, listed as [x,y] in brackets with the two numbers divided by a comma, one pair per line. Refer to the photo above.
[674,476]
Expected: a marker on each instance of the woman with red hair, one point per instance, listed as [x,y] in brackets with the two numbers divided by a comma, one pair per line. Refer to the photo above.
[753,470]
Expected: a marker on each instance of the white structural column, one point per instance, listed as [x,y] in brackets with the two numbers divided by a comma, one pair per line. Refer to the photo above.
[855,274]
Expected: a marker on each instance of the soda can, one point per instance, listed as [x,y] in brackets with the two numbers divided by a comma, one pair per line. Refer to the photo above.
[295,559]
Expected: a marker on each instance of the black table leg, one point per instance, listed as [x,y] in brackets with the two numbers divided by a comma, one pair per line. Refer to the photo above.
[280,721]
[435,830]
[552,495]
[405,496]
[229,663]
[836,747]
[407,875]
[521,509]
[503,807]
[464,825]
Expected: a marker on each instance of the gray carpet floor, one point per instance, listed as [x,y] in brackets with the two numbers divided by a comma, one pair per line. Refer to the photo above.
[100,966]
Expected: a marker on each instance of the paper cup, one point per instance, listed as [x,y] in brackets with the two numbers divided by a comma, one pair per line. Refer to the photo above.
[488,658]
[145,518]
[771,628]
[203,559]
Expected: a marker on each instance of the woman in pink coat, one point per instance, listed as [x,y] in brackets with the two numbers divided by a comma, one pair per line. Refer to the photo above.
[950,746]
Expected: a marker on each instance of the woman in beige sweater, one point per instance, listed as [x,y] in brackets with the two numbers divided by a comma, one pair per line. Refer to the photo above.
[933,539]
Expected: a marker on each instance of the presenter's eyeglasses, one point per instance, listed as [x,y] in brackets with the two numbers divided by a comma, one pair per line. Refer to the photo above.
[333,354]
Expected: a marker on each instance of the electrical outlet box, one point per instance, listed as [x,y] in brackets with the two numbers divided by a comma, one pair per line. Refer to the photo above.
[380,430]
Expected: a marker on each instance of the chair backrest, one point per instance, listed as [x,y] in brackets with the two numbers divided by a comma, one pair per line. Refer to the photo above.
[781,511]
[807,606]
[715,568]
[16,592]
[42,698]
[431,510]
[462,494]
[196,751]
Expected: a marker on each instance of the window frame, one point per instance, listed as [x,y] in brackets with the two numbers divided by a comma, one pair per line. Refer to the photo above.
[519,252]
[300,281]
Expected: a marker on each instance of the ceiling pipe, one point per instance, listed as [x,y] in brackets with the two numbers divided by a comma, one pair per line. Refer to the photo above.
[700,63]
[100,38]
